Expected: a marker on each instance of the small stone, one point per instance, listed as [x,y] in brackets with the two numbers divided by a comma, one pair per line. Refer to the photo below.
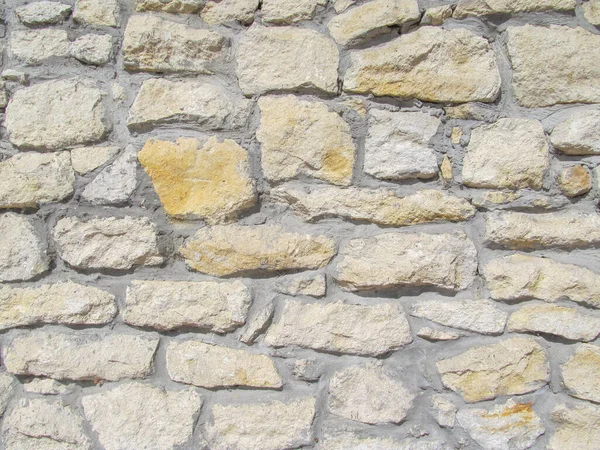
[15,75]
[47,386]
[444,411]
[433,334]
[312,285]
[97,12]
[392,260]
[369,394]
[591,12]
[195,181]
[3,95]
[446,170]
[308,369]
[289,11]
[86,159]
[95,49]
[575,181]
[108,243]
[304,138]
[576,427]
[43,13]
[168,305]
[340,327]
[455,135]
[169,6]
[258,324]
[153,44]
[472,111]
[276,59]
[23,249]
[139,415]
[234,250]
[217,12]
[371,19]
[261,426]
[511,426]
[417,65]
[436,15]
[79,355]
[35,46]
[466,8]
[512,366]
[396,146]
[580,373]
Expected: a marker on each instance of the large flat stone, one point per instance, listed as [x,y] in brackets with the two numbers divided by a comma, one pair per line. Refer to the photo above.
[43,13]
[466,8]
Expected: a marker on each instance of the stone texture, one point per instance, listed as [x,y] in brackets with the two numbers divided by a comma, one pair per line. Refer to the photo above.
[95,49]
[579,133]
[261,426]
[538,84]
[575,181]
[467,8]
[369,394]
[303,138]
[591,12]
[79,355]
[436,15]
[312,285]
[234,250]
[342,5]
[43,13]
[524,200]
[289,11]
[36,46]
[279,59]
[7,389]
[108,243]
[508,154]
[371,19]
[56,114]
[97,12]
[213,366]
[137,415]
[23,249]
[391,260]
[340,327]
[216,12]
[511,366]
[169,6]
[195,181]
[444,411]
[86,159]
[417,65]
[153,44]
[396,145]
[580,373]
[168,305]
[576,427]
[434,334]
[47,386]
[354,441]
[258,323]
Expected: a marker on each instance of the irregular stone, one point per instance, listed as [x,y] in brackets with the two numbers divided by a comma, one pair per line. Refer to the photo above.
[436,15]
[303,138]
[223,11]
[342,5]
[289,11]
[79,355]
[492,200]
[258,323]
[396,146]
[61,303]
[444,411]
[580,373]
[234,250]
[312,285]
[43,13]
[510,153]
[466,8]
[7,388]
[379,206]
[169,6]
[391,260]
[340,327]
[35,46]
[308,369]
[518,230]
[97,12]
[153,44]
[433,334]
[481,316]
[3,95]
[369,394]
[15,75]
[56,114]
[446,170]
[86,159]
[95,49]
[579,133]
[23,249]
[346,441]
[472,111]
[417,65]
[210,182]
[455,135]
[261,426]
[577,427]
[36,423]
[108,243]
[535,83]
[47,386]
[512,366]
[371,19]
[591,12]
[575,181]
[139,415]
[511,426]
[277,59]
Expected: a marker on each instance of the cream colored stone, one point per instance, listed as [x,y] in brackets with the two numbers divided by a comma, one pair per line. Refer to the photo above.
[169,6]
[258,323]
[444,411]
[95,49]
[433,334]
[234,250]
[47,386]
[8,383]
[313,285]
[455,135]
[97,12]
[575,181]
[347,441]
[116,183]
[393,259]
[216,12]
[35,46]
[579,133]
[23,249]
[436,15]
[591,12]
[79,355]
[580,373]
[472,111]
[289,11]
[446,170]
[342,5]
[466,8]
[303,138]
[340,327]
[86,159]
[418,65]
[43,13]
[577,427]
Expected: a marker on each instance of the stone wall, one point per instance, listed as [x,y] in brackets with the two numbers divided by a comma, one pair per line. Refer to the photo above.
[284,224]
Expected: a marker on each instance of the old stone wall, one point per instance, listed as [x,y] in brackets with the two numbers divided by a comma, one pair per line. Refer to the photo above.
[285,224]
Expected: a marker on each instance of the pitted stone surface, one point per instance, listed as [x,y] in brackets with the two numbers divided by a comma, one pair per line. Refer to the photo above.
[217,12]
[43,12]
[467,8]
[576,427]
[578,134]
[579,373]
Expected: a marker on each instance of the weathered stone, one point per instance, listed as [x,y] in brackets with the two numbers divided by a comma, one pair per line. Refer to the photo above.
[277,59]
[511,426]
[371,19]
[347,441]
[289,11]
[342,5]
[169,6]
[95,49]
[37,423]
[510,367]
[455,135]
[446,170]
[466,8]
[380,206]
[65,303]
[575,181]
[417,65]
[433,334]
[115,184]
[79,355]
[86,159]
[16,76]
[308,369]
[510,153]
[261,426]
[396,145]
[313,285]
[47,386]
[340,327]
[216,12]
[579,133]
[526,199]
[108,243]
[167,305]
[390,260]
[538,84]
[472,111]
[7,388]
[3,95]
[234,250]
[56,114]
[35,46]
[97,12]
[369,394]
[303,138]
[23,250]
[444,411]
[517,230]
[43,13]
[258,323]
[577,427]
[137,415]
[436,15]
[591,12]
[580,373]
[153,44]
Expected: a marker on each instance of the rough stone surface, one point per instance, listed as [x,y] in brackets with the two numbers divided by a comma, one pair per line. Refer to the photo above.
[95,49]
[580,373]
[436,15]
[43,13]
[35,46]
[578,134]
[313,285]
[467,8]
[47,386]
[354,441]
[444,411]
[216,12]
[434,334]
[7,387]
[97,12]
[591,12]
[575,181]
[289,11]
[86,159]
[258,323]
[170,6]
[577,427]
